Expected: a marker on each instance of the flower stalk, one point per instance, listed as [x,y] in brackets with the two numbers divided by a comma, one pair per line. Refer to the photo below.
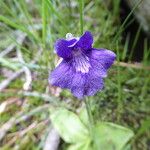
[91,121]
[90,117]
[89,112]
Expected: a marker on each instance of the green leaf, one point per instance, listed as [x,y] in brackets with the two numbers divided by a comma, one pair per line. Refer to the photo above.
[84,117]
[81,146]
[69,126]
[110,136]
[127,147]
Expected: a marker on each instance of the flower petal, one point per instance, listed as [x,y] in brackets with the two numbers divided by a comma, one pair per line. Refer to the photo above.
[78,85]
[62,75]
[62,47]
[103,56]
[86,84]
[85,42]
[101,60]
[94,83]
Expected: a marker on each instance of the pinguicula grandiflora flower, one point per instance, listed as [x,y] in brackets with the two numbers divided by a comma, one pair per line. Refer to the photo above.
[83,67]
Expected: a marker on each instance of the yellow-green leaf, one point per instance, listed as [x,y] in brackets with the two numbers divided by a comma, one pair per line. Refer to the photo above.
[69,126]
[110,136]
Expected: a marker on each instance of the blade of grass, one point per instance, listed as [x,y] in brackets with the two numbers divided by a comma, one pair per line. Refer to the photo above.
[144,128]
[70,7]
[44,16]
[17,65]
[89,6]
[125,21]
[54,11]
[26,13]
[81,7]
[145,88]
[126,47]
[5,7]
[116,4]
[17,26]
[23,10]
[135,42]
[146,52]
[119,99]
[128,24]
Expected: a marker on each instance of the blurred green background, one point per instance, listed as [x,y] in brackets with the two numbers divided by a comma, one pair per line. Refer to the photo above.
[28,30]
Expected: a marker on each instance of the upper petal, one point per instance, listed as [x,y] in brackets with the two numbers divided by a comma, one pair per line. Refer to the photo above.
[85,42]
[63,49]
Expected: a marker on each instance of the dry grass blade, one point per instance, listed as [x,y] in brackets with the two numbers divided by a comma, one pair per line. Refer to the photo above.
[20,39]
[131,65]
[6,82]
[20,117]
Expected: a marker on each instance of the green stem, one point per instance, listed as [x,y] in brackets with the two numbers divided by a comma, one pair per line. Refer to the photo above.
[119,99]
[91,121]
[88,108]
[81,4]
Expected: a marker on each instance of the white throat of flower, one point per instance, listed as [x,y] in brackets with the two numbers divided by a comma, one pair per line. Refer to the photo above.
[81,63]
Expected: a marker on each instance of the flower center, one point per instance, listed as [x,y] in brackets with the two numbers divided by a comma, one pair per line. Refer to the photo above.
[81,62]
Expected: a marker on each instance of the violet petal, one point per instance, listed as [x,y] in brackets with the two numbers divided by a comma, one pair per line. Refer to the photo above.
[85,42]
[62,75]
[103,56]
[62,48]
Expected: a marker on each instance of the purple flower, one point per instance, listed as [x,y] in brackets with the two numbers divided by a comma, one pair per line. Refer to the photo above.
[82,68]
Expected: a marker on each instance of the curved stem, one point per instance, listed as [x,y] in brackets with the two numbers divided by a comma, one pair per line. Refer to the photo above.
[88,108]
[91,121]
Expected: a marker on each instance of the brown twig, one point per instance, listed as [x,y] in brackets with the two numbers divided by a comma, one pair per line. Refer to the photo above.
[4,105]
[131,65]
[7,126]
[20,134]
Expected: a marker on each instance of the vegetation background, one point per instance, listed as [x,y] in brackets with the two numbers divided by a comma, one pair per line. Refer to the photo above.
[28,30]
